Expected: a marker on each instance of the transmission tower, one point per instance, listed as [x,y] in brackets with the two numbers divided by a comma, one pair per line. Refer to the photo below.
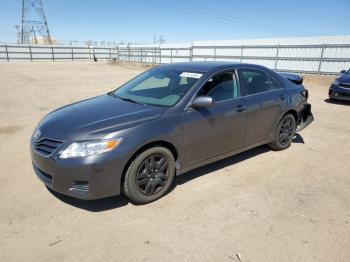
[34,22]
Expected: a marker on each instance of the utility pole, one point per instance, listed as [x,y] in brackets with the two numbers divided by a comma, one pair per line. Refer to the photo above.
[34,22]
[19,33]
[161,40]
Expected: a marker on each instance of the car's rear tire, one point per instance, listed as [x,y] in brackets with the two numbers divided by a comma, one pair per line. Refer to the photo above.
[149,175]
[284,133]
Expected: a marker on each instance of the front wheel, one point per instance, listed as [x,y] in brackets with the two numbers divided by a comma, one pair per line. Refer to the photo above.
[284,133]
[149,175]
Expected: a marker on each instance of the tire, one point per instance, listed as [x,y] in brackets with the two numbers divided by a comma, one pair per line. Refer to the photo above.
[284,133]
[149,175]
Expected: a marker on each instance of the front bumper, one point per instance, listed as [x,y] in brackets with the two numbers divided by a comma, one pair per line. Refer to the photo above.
[305,117]
[86,178]
[337,92]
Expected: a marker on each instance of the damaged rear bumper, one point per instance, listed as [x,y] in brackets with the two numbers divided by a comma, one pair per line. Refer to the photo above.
[305,117]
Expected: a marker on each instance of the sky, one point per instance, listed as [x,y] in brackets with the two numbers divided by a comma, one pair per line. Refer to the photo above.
[182,20]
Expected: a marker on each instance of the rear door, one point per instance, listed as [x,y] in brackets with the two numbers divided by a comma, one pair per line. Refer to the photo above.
[265,98]
[212,131]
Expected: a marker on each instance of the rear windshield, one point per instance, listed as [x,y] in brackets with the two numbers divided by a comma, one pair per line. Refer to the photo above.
[158,86]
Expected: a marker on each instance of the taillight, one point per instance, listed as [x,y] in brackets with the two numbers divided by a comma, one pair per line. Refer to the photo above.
[305,93]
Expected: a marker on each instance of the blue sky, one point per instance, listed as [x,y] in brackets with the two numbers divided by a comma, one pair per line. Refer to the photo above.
[183,20]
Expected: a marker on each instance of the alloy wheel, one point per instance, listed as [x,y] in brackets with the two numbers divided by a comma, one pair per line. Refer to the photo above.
[286,131]
[152,175]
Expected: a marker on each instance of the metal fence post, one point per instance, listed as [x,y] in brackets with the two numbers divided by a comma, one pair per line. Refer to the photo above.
[30,53]
[242,48]
[160,55]
[72,54]
[141,57]
[7,54]
[214,52]
[129,53]
[277,54]
[191,53]
[53,56]
[321,59]
[171,55]
[154,59]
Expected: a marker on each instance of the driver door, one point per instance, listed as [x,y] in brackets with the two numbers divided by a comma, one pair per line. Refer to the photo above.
[219,129]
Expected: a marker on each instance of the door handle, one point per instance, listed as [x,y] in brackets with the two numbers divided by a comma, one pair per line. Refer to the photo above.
[240,108]
[283,97]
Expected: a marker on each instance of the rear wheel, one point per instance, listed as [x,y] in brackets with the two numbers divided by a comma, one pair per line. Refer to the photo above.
[149,175]
[284,133]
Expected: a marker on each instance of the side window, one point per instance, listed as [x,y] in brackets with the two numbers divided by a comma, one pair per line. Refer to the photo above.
[222,86]
[274,84]
[254,81]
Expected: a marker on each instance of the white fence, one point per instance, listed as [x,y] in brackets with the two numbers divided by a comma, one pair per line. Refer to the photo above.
[322,55]
[54,53]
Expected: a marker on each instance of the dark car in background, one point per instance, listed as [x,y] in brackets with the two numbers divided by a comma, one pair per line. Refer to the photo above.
[340,88]
[165,122]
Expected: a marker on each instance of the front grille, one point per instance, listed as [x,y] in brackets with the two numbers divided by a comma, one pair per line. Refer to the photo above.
[345,85]
[46,146]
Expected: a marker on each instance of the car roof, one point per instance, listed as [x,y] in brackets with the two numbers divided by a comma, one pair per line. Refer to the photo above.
[205,66]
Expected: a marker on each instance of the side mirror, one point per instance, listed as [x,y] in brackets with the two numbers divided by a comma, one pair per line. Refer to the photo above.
[343,71]
[202,101]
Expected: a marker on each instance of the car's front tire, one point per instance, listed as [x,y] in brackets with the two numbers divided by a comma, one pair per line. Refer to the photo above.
[149,175]
[284,133]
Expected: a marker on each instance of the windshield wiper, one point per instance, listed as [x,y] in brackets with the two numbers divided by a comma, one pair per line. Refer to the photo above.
[126,99]
[129,100]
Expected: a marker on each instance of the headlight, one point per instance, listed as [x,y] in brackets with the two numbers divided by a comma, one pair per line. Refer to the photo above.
[336,82]
[89,148]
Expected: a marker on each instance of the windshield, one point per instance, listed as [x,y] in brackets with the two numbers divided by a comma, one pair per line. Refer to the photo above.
[158,86]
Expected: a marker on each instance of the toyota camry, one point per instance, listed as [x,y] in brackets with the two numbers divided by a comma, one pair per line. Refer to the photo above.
[165,122]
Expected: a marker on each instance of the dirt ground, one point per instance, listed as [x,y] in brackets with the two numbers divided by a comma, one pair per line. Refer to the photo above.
[292,205]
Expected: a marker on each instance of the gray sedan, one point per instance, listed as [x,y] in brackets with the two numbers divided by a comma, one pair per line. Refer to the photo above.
[165,122]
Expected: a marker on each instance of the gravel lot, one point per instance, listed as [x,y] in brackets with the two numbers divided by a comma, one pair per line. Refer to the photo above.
[292,205]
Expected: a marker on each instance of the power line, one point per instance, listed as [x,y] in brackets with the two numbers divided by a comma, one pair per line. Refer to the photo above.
[7,32]
[218,19]
[206,17]
[235,21]
[243,20]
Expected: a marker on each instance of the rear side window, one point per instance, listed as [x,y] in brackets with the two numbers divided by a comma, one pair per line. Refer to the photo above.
[254,81]
[222,86]
[274,84]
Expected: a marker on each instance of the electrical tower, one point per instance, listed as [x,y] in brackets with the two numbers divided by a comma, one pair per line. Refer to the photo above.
[34,22]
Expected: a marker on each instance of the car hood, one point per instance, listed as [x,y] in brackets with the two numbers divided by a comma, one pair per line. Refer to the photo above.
[344,78]
[94,118]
